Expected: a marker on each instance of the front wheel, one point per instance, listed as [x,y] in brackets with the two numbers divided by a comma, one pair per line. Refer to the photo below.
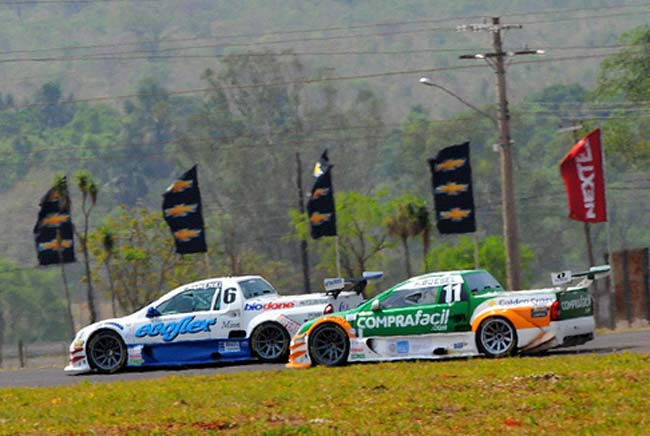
[270,342]
[496,337]
[106,352]
[329,345]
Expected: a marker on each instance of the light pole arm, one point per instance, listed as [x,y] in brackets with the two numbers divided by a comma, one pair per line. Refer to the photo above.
[428,82]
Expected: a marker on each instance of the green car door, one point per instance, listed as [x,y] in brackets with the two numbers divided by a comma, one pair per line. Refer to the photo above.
[416,310]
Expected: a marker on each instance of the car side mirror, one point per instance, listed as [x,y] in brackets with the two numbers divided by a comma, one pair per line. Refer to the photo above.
[376,306]
[152,312]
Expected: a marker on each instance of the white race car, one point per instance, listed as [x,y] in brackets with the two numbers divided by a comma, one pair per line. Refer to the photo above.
[214,320]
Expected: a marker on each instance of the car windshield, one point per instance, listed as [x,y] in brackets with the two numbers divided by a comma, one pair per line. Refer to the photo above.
[482,282]
[255,287]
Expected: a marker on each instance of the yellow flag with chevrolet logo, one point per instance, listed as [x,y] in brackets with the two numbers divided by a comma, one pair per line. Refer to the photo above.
[451,176]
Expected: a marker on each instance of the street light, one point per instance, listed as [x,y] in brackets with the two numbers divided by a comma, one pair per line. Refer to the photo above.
[427,81]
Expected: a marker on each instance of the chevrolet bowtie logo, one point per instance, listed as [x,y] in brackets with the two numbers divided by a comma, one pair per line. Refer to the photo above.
[450,164]
[319,218]
[185,235]
[180,186]
[319,192]
[455,214]
[451,188]
[181,210]
[54,220]
[55,245]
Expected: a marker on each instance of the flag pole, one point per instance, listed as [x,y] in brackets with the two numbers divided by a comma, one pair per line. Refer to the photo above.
[207,264]
[610,257]
[338,258]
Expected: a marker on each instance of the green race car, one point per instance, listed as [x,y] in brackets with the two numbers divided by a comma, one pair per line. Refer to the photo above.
[455,313]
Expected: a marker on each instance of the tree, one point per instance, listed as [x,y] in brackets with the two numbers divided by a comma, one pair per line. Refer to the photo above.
[89,189]
[61,188]
[409,218]
[447,257]
[143,260]
[362,234]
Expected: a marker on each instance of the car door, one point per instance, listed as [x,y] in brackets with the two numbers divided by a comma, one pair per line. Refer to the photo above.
[183,326]
[406,312]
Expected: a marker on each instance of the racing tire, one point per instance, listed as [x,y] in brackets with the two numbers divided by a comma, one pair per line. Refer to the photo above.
[496,337]
[329,345]
[106,352]
[270,342]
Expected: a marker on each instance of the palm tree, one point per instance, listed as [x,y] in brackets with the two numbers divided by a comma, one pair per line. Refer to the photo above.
[89,190]
[61,188]
[410,219]
[108,243]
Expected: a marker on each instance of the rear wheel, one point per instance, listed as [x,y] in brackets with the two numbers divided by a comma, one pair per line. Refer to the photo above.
[106,352]
[270,342]
[496,337]
[329,345]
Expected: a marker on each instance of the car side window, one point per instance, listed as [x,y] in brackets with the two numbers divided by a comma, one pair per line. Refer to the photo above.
[411,297]
[191,300]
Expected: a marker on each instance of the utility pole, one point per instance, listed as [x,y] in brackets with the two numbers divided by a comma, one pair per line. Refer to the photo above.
[509,213]
[304,253]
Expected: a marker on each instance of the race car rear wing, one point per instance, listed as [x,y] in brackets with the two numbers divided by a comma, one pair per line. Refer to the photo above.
[564,279]
[334,286]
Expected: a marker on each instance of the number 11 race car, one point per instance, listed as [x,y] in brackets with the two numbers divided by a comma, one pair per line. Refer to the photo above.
[456,313]
[215,320]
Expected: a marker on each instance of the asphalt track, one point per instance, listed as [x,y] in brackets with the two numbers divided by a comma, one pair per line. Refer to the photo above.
[617,342]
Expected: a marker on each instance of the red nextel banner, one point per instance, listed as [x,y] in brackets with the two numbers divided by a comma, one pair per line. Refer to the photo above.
[582,171]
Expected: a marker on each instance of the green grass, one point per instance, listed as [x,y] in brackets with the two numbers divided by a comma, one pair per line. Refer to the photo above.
[584,394]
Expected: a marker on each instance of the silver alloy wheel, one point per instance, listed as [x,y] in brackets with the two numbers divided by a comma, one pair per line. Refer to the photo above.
[270,342]
[329,345]
[106,352]
[497,337]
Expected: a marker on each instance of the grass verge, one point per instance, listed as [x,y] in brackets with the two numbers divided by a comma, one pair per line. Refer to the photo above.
[583,394]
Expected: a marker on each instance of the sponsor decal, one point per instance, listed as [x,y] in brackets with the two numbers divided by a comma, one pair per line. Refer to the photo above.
[318,218]
[450,164]
[451,188]
[458,345]
[216,284]
[344,306]
[135,356]
[516,301]
[55,244]
[181,210]
[55,219]
[357,355]
[319,192]
[185,235]
[455,214]
[578,303]
[269,306]
[118,325]
[230,324]
[538,312]
[333,283]
[587,174]
[171,330]
[180,185]
[229,347]
[289,324]
[402,347]
[311,302]
[434,281]
[437,321]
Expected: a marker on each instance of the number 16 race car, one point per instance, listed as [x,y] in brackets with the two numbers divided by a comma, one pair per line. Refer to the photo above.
[457,313]
[215,320]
